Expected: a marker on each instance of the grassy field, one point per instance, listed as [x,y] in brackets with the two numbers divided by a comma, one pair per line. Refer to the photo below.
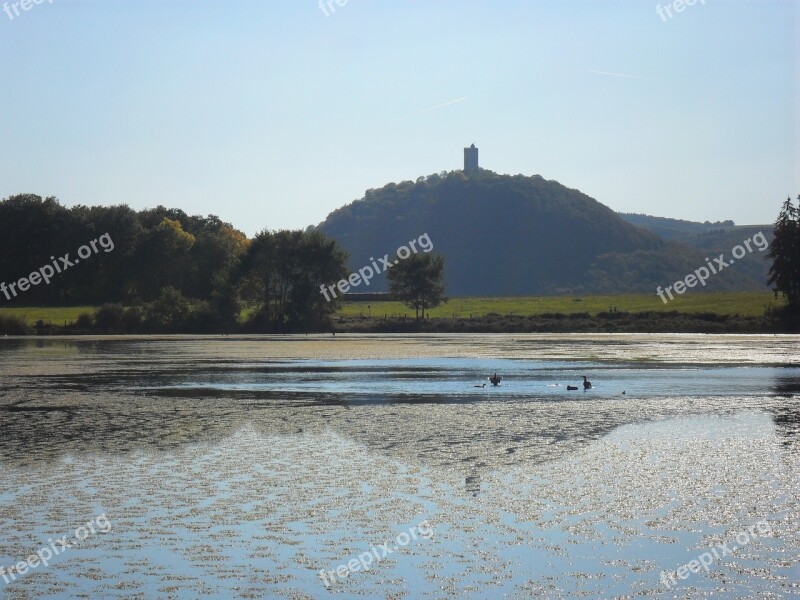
[729,303]
[50,314]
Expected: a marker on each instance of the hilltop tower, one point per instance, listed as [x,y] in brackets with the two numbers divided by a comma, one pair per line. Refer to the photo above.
[470,159]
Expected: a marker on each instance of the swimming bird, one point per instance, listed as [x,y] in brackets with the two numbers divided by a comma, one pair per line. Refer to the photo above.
[495,379]
[572,388]
[587,385]
[480,386]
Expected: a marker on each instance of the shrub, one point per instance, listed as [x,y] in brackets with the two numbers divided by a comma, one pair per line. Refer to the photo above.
[109,318]
[203,319]
[13,326]
[169,311]
[132,317]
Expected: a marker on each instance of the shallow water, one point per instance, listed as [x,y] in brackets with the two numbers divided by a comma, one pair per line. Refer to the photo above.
[241,467]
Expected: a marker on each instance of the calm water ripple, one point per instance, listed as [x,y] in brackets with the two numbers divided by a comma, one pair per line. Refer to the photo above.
[240,467]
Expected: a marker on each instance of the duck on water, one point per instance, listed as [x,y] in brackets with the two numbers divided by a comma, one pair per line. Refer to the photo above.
[495,381]
[587,385]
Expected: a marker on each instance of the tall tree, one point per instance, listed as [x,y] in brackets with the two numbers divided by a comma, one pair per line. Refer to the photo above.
[281,272]
[163,258]
[784,274]
[418,282]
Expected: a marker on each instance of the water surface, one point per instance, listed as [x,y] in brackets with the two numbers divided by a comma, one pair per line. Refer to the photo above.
[241,467]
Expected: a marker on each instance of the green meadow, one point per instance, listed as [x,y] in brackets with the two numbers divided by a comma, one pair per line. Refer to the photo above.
[727,303]
[55,315]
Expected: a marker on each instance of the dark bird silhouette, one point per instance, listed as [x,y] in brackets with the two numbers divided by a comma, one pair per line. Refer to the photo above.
[572,388]
[587,385]
[495,379]
[480,386]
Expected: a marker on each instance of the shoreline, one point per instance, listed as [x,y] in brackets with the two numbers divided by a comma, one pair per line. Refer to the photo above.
[617,322]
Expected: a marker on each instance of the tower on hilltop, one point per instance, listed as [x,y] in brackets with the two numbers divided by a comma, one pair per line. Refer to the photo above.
[470,159]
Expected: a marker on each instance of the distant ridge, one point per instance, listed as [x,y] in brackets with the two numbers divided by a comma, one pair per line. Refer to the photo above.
[674,229]
[515,235]
[711,239]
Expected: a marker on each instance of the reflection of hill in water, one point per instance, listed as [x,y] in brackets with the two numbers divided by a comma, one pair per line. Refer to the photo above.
[60,397]
[235,492]
[77,416]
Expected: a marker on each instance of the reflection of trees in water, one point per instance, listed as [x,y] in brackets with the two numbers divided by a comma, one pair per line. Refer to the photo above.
[787,416]
[787,422]
[45,419]
[472,483]
[787,386]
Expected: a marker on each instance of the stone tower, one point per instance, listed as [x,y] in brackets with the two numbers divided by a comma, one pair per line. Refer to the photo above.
[470,159]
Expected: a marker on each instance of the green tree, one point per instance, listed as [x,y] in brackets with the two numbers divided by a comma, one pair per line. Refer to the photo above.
[163,258]
[784,274]
[170,310]
[322,262]
[225,300]
[418,282]
[110,318]
[281,272]
[215,253]
[31,230]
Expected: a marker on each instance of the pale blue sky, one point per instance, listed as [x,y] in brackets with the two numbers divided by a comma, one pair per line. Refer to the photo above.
[271,114]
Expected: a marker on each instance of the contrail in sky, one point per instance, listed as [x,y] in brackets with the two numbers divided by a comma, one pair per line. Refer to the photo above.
[437,107]
[623,75]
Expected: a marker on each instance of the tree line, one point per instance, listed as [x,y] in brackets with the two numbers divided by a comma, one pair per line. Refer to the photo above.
[172,272]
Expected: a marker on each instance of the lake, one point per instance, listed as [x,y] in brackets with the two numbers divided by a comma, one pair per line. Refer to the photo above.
[379,466]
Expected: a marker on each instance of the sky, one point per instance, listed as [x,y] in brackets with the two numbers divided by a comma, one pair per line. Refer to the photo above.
[271,114]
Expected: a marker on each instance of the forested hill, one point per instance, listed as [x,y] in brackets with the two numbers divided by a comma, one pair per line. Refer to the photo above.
[515,235]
